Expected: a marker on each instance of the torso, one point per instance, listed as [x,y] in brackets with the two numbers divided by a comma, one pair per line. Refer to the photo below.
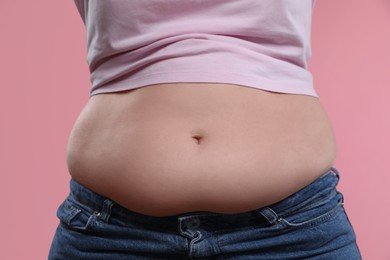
[180,147]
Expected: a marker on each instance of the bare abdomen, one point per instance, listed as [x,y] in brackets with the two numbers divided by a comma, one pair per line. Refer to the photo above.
[181,147]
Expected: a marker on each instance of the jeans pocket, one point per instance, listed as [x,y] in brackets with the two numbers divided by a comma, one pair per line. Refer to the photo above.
[314,215]
[76,217]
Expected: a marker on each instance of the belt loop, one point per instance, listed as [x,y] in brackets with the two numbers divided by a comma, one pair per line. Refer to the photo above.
[336,172]
[106,210]
[270,215]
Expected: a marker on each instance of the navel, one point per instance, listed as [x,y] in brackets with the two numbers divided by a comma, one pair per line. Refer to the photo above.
[198,138]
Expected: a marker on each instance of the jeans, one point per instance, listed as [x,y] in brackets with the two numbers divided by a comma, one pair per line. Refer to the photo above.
[309,224]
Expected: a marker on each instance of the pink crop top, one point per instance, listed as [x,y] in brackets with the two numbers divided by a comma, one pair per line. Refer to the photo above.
[263,44]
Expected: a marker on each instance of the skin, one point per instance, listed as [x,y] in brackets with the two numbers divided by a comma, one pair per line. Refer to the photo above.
[179,147]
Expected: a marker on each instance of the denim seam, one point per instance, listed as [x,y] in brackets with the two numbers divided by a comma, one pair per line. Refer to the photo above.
[196,238]
[309,205]
[74,212]
[277,226]
[331,186]
[314,221]
[239,229]
[84,208]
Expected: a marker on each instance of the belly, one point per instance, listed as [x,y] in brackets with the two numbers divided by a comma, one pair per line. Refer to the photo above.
[181,147]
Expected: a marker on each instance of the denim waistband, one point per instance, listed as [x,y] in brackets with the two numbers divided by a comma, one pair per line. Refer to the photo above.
[322,188]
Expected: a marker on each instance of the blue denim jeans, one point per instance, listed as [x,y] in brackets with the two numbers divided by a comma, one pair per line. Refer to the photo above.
[309,224]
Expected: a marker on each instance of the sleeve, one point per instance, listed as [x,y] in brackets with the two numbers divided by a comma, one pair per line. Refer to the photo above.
[80,4]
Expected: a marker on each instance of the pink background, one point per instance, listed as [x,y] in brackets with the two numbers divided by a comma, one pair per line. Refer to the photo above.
[45,84]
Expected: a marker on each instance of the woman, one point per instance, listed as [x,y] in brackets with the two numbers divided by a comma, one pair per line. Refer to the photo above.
[203,137]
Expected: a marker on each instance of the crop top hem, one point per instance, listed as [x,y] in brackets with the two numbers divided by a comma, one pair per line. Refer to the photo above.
[288,86]
[258,44]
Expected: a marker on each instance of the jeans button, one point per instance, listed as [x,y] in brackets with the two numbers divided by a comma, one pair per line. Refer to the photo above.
[195,223]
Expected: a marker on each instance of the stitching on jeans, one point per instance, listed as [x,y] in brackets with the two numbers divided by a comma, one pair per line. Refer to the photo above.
[69,207]
[303,204]
[278,226]
[311,205]
[315,221]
